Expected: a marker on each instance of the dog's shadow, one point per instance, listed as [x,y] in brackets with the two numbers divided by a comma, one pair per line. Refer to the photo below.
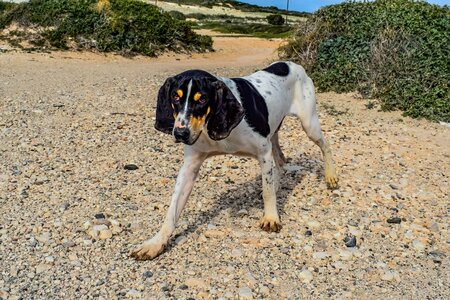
[248,195]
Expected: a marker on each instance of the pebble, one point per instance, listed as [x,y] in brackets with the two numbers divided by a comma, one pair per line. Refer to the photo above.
[394,220]
[245,293]
[242,212]
[313,224]
[418,245]
[100,216]
[196,283]
[105,234]
[320,255]
[131,167]
[132,293]
[147,274]
[42,268]
[180,239]
[44,238]
[350,241]
[236,252]
[308,233]
[345,254]
[306,276]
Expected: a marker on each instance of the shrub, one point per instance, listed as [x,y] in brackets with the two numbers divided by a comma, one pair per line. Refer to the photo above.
[275,19]
[124,26]
[394,50]
[177,15]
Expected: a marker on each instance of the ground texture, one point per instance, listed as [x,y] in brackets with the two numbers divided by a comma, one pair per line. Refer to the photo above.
[74,127]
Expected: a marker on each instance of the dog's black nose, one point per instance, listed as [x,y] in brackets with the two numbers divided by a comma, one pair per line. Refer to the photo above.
[181,134]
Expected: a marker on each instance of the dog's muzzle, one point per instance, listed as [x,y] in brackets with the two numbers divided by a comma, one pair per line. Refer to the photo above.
[181,135]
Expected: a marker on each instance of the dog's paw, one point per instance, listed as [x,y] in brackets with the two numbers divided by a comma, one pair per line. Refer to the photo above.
[270,224]
[147,250]
[331,177]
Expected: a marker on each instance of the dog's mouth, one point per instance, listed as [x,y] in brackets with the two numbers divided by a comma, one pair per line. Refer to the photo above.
[189,140]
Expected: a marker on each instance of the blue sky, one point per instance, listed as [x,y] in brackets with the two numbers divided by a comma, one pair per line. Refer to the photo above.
[312,5]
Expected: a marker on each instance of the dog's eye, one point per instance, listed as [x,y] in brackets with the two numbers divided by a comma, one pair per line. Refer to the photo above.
[202,100]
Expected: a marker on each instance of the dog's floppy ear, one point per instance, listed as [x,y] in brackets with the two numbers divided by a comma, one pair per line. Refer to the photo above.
[227,112]
[164,111]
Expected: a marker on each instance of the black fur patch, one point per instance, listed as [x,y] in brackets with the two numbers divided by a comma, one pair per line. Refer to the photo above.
[255,107]
[279,69]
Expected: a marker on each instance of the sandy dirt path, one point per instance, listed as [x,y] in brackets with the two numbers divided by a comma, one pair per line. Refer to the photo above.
[70,122]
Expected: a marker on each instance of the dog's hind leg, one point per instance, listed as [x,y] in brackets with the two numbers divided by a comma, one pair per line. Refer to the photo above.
[183,187]
[304,107]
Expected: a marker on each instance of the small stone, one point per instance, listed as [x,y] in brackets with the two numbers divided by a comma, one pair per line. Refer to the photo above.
[350,241]
[345,254]
[393,186]
[105,234]
[132,293]
[245,293]
[394,220]
[320,255]
[308,233]
[242,212]
[214,234]
[50,259]
[147,274]
[236,252]
[313,224]
[180,240]
[44,238]
[68,244]
[196,283]
[418,245]
[100,216]
[64,207]
[352,223]
[183,287]
[87,225]
[389,276]
[306,276]
[42,268]
[131,167]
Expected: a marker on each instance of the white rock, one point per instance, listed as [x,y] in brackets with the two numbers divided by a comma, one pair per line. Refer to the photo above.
[134,294]
[44,238]
[180,240]
[320,255]
[418,245]
[245,293]
[105,234]
[306,276]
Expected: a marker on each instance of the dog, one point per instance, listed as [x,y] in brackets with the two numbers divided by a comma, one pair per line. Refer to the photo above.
[216,115]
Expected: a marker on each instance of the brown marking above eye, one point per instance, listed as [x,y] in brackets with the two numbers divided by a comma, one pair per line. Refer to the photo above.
[180,93]
[197,96]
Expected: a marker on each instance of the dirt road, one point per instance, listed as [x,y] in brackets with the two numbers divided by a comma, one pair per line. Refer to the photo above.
[70,122]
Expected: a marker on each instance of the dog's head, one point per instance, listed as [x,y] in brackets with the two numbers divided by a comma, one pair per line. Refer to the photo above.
[193,101]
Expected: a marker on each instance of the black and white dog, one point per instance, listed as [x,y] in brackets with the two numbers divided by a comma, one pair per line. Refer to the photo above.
[216,115]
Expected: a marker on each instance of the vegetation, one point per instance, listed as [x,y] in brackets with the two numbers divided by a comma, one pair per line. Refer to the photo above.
[124,26]
[253,29]
[275,19]
[394,50]
[239,6]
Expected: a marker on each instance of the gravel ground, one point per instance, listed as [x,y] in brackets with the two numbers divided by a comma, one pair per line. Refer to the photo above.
[84,178]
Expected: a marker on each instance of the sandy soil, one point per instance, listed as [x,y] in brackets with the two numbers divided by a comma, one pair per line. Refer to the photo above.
[70,122]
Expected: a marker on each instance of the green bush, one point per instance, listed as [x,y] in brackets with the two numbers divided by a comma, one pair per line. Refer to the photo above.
[177,15]
[124,26]
[394,50]
[276,19]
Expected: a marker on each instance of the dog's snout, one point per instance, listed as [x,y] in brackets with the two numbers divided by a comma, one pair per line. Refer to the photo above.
[181,134]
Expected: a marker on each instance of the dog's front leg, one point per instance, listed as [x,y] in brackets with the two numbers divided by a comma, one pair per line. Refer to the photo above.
[185,181]
[270,221]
